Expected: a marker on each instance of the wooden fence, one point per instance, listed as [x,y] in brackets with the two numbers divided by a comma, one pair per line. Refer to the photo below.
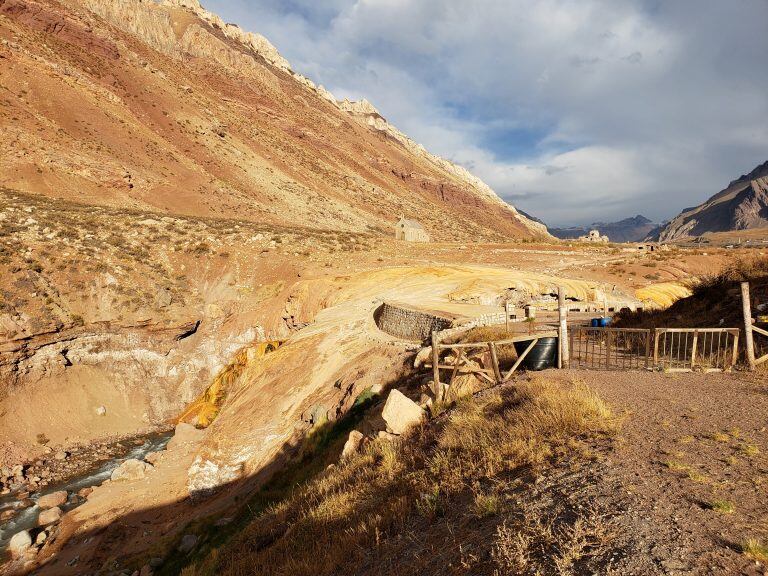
[484,360]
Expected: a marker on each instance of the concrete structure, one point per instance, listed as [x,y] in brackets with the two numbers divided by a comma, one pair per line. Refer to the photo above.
[594,236]
[409,323]
[410,231]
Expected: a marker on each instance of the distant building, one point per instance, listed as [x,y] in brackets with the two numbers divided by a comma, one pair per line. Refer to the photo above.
[594,236]
[410,231]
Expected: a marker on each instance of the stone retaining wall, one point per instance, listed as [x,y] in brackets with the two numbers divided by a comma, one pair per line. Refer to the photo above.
[408,323]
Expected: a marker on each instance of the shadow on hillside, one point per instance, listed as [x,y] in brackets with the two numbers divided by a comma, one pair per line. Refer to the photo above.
[134,539]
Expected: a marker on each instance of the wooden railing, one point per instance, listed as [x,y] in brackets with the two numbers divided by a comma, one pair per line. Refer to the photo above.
[480,359]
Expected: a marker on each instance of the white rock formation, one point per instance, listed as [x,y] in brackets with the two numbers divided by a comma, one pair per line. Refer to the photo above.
[400,412]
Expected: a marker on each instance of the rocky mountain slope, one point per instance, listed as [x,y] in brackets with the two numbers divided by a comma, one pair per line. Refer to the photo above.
[742,205]
[626,230]
[162,106]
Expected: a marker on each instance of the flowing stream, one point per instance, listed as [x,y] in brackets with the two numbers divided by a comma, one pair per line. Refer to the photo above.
[26,519]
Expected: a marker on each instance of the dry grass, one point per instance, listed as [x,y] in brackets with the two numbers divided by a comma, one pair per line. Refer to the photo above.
[755,549]
[439,497]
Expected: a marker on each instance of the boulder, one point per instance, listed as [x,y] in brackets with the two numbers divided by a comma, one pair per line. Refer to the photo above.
[85,492]
[101,410]
[185,434]
[19,543]
[131,469]
[52,500]
[400,412]
[352,445]
[50,516]
[153,457]
[188,542]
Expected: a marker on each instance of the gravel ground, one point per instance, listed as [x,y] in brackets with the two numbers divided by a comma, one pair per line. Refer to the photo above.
[691,447]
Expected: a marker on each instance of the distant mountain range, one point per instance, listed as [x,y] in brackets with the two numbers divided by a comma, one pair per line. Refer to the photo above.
[742,205]
[627,230]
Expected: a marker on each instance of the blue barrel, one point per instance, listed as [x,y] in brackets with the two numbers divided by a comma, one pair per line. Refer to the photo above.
[604,322]
[595,322]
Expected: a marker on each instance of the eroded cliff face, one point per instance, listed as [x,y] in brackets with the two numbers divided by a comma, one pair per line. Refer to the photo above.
[166,107]
[112,321]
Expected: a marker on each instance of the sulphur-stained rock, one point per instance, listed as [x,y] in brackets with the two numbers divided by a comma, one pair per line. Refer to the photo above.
[20,542]
[352,444]
[131,470]
[50,516]
[52,500]
[185,434]
[400,412]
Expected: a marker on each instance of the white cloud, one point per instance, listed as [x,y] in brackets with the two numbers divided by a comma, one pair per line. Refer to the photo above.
[624,107]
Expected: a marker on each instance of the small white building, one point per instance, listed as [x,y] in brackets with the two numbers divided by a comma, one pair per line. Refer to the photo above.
[410,231]
[594,236]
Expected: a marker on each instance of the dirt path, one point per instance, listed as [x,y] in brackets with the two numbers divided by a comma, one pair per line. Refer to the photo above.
[689,476]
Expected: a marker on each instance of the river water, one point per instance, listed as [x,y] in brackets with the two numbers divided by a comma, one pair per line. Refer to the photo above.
[27,519]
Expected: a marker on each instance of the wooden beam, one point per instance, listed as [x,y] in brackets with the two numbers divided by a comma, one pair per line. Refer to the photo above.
[759,330]
[564,357]
[520,359]
[747,310]
[459,358]
[494,362]
[436,367]
[695,344]
[522,338]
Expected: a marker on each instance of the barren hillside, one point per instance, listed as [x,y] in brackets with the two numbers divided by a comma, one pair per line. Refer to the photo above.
[163,106]
[742,205]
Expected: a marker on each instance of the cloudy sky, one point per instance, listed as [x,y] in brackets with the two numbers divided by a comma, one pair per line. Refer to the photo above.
[572,110]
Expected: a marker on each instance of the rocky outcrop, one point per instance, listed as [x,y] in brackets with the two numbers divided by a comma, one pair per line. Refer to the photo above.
[131,469]
[52,500]
[743,205]
[401,413]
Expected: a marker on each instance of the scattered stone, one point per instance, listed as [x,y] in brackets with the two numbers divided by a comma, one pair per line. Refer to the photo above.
[41,538]
[146,570]
[61,455]
[131,469]
[19,543]
[387,436]
[153,457]
[85,492]
[188,542]
[352,445]
[155,562]
[223,521]
[185,434]
[50,516]
[101,410]
[6,515]
[400,412]
[52,500]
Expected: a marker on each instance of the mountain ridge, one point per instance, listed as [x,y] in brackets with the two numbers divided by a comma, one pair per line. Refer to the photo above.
[164,106]
[630,229]
[742,205]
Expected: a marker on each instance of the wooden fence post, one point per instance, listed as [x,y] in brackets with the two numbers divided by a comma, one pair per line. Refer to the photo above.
[693,349]
[656,334]
[564,357]
[436,366]
[495,362]
[749,340]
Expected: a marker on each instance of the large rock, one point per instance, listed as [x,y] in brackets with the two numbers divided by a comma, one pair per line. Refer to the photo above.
[50,516]
[188,542]
[52,500]
[131,470]
[352,444]
[400,412]
[19,543]
[185,434]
